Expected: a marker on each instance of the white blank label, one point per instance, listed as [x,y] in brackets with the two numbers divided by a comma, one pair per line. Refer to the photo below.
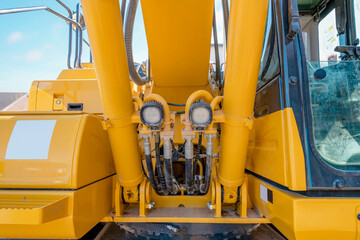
[264,193]
[30,139]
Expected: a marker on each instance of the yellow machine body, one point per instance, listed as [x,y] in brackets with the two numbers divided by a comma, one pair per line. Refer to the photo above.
[57,191]
[94,163]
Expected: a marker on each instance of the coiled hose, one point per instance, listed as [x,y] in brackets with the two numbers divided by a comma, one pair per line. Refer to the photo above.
[129,27]
[225,7]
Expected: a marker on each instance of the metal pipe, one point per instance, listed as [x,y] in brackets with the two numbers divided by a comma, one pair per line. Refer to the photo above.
[78,39]
[21,10]
[70,34]
[103,22]
[242,69]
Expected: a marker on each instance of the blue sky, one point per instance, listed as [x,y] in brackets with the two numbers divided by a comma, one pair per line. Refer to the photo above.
[33,45]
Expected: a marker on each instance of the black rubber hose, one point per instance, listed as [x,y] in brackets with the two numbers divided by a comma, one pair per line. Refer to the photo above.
[207,174]
[169,174]
[159,167]
[150,170]
[216,49]
[123,6]
[189,180]
[129,27]
[176,104]
[197,155]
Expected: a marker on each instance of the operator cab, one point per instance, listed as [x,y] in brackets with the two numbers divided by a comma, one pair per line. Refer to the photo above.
[330,35]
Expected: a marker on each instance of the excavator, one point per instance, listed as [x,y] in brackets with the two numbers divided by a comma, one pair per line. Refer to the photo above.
[181,147]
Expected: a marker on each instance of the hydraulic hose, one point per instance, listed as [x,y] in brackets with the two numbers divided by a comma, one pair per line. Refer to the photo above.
[159,166]
[122,9]
[149,165]
[217,57]
[226,14]
[189,167]
[197,155]
[129,27]
[209,159]
[169,176]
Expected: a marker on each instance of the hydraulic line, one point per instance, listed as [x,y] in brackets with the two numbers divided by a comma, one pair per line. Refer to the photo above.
[226,14]
[169,175]
[197,155]
[209,159]
[217,57]
[149,165]
[129,27]
[159,165]
[123,7]
[189,167]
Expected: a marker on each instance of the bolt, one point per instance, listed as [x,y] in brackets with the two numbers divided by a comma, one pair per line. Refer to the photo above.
[151,205]
[338,184]
[293,80]
[172,228]
[211,206]
[58,102]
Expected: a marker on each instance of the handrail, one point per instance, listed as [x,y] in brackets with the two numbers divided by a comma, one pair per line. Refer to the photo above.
[78,42]
[30,9]
[70,33]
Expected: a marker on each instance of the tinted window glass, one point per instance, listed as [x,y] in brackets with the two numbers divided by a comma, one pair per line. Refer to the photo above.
[269,66]
[335,106]
[357,17]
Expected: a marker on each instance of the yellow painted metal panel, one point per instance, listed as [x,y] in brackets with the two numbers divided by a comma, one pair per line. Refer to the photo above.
[300,217]
[179,36]
[69,91]
[275,150]
[79,153]
[32,96]
[86,207]
[77,74]
[32,209]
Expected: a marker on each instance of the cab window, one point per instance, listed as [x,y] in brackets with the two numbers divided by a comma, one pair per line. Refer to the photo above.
[269,66]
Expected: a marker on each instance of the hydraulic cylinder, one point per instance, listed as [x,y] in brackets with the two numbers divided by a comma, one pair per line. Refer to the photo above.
[105,31]
[246,34]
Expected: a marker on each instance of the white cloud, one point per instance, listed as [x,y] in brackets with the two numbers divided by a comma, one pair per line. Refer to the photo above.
[34,55]
[15,37]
